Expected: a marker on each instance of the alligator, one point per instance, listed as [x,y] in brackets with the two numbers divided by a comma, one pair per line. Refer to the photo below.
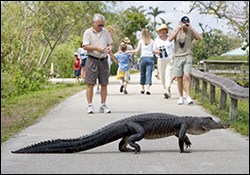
[131,130]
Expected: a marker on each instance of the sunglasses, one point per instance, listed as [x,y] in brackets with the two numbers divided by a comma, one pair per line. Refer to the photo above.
[101,25]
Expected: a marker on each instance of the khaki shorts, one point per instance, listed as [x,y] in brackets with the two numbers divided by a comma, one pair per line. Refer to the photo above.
[96,69]
[182,65]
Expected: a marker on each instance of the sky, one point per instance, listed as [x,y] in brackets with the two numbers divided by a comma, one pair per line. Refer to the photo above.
[174,16]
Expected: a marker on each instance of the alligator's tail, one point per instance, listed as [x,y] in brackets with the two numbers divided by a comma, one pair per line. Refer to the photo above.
[95,139]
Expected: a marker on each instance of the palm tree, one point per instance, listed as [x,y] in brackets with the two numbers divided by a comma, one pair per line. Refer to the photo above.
[163,21]
[137,9]
[155,12]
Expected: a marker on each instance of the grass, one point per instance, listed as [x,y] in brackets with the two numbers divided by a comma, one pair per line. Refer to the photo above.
[20,112]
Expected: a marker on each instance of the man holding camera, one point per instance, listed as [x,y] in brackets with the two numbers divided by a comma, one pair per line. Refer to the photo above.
[183,36]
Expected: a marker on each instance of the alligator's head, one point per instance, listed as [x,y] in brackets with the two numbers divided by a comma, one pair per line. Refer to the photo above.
[201,125]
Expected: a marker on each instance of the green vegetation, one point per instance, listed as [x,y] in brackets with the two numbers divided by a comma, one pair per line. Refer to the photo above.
[22,111]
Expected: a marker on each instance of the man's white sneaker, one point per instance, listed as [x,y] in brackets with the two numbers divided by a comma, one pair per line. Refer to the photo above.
[189,100]
[104,109]
[180,101]
[90,109]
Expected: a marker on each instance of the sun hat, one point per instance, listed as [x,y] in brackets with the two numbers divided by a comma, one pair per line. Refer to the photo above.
[75,53]
[185,19]
[126,40]
[110,28]
[163,26]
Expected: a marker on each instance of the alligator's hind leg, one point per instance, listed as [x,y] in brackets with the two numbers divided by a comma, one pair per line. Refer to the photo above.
[123,145]
[137,133]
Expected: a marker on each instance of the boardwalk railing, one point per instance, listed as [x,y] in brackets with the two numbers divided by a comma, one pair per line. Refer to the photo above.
[226,86]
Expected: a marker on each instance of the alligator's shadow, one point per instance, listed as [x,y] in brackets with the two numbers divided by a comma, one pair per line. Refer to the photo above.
[156,151]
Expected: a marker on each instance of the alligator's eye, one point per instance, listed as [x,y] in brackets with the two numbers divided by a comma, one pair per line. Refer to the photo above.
[210,118]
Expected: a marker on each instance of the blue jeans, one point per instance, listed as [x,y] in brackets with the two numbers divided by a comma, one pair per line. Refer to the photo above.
[146,70]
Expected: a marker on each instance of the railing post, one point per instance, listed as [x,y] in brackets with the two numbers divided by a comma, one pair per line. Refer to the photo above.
[212,94]
[223,99]
[197,86]
[204,90]
[233,108]
[52,73]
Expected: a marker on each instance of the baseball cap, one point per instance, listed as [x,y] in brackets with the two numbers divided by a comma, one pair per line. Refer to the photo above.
[75,53]
[185,19]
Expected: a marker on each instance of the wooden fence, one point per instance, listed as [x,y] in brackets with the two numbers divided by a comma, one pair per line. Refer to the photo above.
[231,68]
[227,88]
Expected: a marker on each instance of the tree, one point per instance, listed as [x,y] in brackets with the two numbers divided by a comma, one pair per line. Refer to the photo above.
[133,22]
[36,33]
[235,12]
[214,43]
[137,9]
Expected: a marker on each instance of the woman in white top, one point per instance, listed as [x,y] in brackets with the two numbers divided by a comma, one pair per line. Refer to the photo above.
[163,48]
[145,46]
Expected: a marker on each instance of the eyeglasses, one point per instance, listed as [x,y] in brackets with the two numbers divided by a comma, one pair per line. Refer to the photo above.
[101,25]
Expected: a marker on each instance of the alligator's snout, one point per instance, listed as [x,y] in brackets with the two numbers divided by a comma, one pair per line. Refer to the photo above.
[226,125]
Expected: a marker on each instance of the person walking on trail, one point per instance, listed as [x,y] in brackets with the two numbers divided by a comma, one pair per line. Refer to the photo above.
[77,66]
[145,46]
[164,49]
[183,36]
[124,61]
[110,29]
[82,54]
[127,41]
[98,43]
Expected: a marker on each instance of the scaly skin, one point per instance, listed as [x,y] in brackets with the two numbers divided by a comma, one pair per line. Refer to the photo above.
[131,130]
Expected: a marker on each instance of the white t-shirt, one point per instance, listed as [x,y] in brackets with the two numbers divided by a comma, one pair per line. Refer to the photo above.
[147,50]
[164,45]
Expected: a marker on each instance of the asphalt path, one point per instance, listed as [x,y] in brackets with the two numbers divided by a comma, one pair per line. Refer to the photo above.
[217,152]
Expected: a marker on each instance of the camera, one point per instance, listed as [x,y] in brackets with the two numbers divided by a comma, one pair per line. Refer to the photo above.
[184,25]
[181,44]
[163,50]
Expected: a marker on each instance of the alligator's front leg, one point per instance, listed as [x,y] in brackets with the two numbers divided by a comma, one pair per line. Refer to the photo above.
[183,138]
[186,141]
[136,133]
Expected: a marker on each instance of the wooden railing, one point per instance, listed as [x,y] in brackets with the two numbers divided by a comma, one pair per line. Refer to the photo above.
[227,87]
[234,69]
[209,65]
